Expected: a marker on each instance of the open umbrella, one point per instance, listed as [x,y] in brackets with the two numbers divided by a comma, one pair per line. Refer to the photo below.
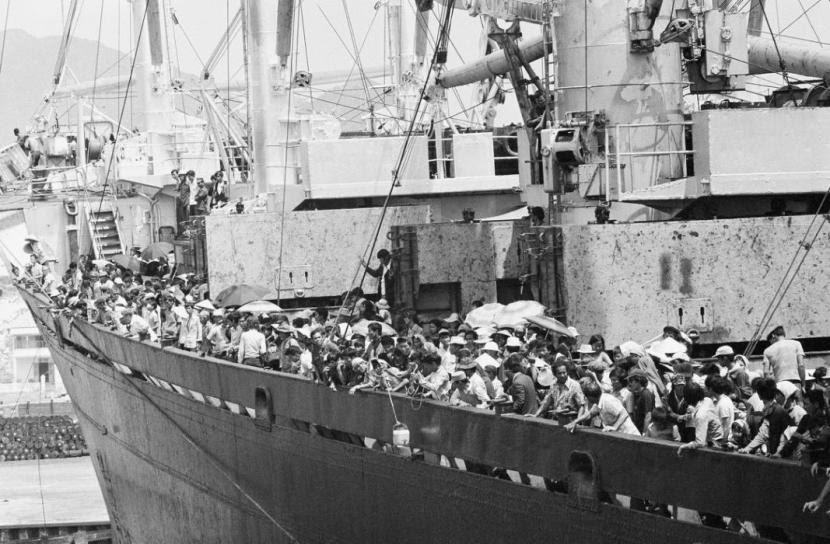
[551,324]
[205,305]
[362,328]
[483,315]
[259,307]
[237,295]
[101,263]
[154,251]
[516,313]
[127,261]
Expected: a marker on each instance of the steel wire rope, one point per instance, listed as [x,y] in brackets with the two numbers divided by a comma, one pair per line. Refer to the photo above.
[123,107]
[94,79]
[175,21]
[379,96]
[809,20]
[357,52]
[434,41]
[781,62]
[400,163]
[295,35]
[807,247]
[346,48]
[190,440]
[305,47]
[227,103]
[769,312]
[5,33]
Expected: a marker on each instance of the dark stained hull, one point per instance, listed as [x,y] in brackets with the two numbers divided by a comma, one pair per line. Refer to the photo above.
[176,468]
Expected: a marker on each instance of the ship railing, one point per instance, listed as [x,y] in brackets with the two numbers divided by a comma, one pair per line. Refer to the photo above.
[509,441]
[621,153]
[443,164]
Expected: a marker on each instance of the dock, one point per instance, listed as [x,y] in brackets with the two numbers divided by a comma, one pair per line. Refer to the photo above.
[51,500]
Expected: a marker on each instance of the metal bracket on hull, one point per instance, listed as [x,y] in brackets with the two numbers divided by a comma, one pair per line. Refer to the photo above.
[263,408]
[583,481]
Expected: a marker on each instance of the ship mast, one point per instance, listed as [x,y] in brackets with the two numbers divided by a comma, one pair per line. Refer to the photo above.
[153,83]
[269,25]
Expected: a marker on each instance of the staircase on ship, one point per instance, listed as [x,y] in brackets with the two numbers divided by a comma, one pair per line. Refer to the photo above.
[104,232]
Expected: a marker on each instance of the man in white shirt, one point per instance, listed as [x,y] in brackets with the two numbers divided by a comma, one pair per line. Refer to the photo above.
[784,359]
[190,330]
[251,344]
[434,378]
[135,326]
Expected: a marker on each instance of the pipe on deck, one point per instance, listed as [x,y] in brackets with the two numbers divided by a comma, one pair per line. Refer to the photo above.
[491,65]
[805,61]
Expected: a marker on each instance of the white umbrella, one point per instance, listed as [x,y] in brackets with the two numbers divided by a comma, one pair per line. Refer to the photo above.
[516,313]
[362,327]
[668,346]
[206,305]
[483,315]
[101,263]
[551,324]
[259,307]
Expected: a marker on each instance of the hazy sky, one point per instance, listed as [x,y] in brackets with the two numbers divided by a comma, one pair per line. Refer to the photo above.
[202,22]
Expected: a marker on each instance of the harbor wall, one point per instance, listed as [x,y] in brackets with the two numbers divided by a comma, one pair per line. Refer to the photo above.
[321,249]
[627,281]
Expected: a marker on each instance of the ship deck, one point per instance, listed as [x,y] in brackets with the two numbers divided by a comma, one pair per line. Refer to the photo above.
[49,493]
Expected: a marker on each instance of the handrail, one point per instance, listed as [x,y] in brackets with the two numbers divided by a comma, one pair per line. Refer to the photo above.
[613,154]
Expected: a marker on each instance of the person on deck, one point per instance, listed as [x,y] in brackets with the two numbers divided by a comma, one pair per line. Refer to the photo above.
[608,408]
[252,347]
[564,399]
[190,331]
[521,387]
[385,274]
[784,359]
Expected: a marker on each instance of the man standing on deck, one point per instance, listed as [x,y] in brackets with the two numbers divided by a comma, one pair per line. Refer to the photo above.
[183,200]
[251,344]
[385,275]
[784,359]
[521,387]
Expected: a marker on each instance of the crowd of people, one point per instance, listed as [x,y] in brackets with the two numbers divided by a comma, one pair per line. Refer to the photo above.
[658,391]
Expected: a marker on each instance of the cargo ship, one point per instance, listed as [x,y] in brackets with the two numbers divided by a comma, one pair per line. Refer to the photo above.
[196,449]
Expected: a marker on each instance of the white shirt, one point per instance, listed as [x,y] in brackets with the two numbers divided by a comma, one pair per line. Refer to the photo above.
[190,332]
[251,345]
[479,389]
[725,409]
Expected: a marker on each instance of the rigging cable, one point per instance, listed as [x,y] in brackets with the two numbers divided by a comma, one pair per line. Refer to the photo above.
[123,108]
[787,280]
[305,48]
[295,37]
[396,173]
[5,32]
[94,82]
[781,62]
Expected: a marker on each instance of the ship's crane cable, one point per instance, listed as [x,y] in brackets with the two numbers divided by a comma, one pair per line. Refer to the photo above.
[123,107]
[790,275]
[781,62]
[95,79]
[190,440]
[295,37]
[396,173]
[357,51]
[5,33]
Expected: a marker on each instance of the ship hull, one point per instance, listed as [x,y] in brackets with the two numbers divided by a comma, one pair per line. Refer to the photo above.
[175,467]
